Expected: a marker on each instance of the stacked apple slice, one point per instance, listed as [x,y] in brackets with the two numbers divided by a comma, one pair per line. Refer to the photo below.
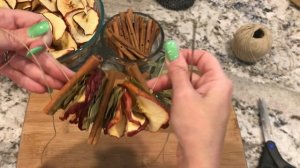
[73,22]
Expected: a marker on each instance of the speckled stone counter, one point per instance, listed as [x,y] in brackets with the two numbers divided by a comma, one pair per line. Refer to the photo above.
[276,78]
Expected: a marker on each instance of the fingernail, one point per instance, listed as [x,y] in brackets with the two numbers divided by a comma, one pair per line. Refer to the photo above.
[171,50]
[34,51]
[38,29]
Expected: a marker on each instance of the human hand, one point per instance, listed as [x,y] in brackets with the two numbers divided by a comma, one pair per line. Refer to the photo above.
[20,30]
[200,109]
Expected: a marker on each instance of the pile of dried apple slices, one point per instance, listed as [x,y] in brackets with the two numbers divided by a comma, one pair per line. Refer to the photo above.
[73,22]
[118,103]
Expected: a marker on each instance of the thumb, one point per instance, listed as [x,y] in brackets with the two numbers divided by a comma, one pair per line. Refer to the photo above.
[179,74]
[14,40]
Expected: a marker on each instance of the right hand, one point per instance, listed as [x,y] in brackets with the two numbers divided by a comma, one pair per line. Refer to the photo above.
[200,109]
[26,72]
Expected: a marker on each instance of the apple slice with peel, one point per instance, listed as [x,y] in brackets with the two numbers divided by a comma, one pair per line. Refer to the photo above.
[12,3]
[76,32]
[4,4]
[116,126]
[59,53]
[91,3]
[24,5]
[50,5]
[136,122]
[65,42]
[57,23]
[67,6]
[132,128]
[34,4]
[88,21]
[156,114]
[41,9]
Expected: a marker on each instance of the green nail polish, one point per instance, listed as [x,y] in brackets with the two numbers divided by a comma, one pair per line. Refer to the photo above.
[38,29]
[171,50]
[34,51]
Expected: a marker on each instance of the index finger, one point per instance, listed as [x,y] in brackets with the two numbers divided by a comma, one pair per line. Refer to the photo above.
[15,19]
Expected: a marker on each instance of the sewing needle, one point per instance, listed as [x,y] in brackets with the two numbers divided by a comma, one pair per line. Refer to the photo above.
[193,48]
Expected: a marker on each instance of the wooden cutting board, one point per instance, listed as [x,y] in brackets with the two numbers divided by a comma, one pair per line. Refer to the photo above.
[69,147]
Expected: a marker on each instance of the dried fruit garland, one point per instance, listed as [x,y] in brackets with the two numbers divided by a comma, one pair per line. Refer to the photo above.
[111,101]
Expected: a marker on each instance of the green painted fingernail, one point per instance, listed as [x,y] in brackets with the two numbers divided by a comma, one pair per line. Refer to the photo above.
[171,50]
[34,51]
[38,29]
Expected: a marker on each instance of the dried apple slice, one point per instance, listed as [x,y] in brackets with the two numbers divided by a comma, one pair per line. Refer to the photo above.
[156,114]
[135,122]
[88,21]
[41,9]
[76,32]
[116,126]
[91,3]
[24,5]
[66,41]
[4,4]
[59,53]
[132,128]
[50,5]
[35,4]
[58,25]
[19,1]
[67,6]
[12,3]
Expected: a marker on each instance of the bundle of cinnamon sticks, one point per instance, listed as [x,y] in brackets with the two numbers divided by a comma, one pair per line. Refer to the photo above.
[132,35]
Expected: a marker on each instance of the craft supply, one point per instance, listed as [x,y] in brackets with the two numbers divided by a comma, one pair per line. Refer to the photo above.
[193,48]
[270,156]
[296,2]
[251,42]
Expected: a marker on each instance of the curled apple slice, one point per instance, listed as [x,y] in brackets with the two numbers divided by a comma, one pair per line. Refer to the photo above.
[135,122]
[76,32]
[12,3]
[57,23]
[24,5]
[117,125]
[59,53]
[65,42]
[50,5]
[67,6]
[4,4]
[88,21]
[157,115]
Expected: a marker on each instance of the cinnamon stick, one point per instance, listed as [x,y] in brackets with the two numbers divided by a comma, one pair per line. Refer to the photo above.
[134,71]
[115,26]
[124,27]
[89,65]
[154,33]
[129,16]
[120,47]
[137,29]
[97,125]
[129,46]
[148,37]
[142,35]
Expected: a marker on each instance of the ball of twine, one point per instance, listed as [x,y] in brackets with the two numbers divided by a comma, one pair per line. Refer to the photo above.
[251,42]
[296,2]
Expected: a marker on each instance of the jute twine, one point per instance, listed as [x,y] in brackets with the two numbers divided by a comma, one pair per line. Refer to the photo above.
[251,42]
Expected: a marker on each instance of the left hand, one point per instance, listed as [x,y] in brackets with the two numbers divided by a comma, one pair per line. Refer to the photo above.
[22,28]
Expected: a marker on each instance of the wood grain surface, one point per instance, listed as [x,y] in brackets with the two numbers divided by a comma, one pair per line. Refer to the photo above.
[69,149]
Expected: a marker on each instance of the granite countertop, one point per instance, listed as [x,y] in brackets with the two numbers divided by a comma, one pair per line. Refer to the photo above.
[276,78]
